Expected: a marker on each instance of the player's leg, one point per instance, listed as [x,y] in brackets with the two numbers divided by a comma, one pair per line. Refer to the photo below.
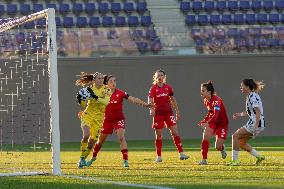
[177,141]
[207,134]
[84,144]
[123,145]
[221,135]
[158,125]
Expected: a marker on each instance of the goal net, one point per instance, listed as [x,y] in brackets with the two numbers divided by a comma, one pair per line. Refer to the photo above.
[29,107]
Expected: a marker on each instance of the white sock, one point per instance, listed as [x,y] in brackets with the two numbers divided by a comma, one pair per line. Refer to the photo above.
[254,153]
[235,154]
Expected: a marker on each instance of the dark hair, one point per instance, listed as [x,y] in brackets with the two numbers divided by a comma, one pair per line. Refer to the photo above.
[155,76]
[107,78]
[86,78]
[209,86]
[253,85]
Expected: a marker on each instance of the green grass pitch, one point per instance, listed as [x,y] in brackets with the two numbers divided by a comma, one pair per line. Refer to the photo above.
[172,172]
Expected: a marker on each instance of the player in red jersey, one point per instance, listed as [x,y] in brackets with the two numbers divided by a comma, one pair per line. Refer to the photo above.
[114,119]
[161,96]
[215,123]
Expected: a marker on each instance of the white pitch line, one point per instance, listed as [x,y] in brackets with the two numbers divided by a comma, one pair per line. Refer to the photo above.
[114,182]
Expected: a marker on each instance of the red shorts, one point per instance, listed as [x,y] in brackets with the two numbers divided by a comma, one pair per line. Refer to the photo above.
[220,131]
[109,126]
[159,122]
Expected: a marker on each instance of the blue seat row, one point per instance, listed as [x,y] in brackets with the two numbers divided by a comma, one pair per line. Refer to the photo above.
[227,19]
[232,5]
[77,8]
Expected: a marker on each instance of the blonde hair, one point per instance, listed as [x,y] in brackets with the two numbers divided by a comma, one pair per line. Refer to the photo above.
[254,85]
[155,76]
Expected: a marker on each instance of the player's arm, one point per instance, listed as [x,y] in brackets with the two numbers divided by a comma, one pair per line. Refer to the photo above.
[137,101]
[257,116]
[239,114]
[104,100]
[175,107]
[204,121]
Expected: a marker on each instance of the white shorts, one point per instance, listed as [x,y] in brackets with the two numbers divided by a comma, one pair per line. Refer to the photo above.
[250,127]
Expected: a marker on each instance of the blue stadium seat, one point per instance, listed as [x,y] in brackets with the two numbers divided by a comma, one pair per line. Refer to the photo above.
[90,8]
[94,22]
[244,33]
[282,18]
[156,45]
[77,8]
[68,22]
[221,6]
[64,9]
[29,25]
[41,23]
[226,19]
[261,18]
[279,5]
[128,7]
[199,44]
[233,6]
[195,33]
[133,21]
[12,9]
[185,7]
[244,5]
[141,7]
[274,43]
[58,22]
[255,32]
[215,19]
[2,10]
[190,20]
[25,9]
[103,8]
[146,20]
[107,21]
[37,7]
[81,22]
[202,19]
[115,8]
[51,5]
[262,43]
[267,5]
[274,18]
[209,6]
[250,19]
[238,19]
[142,46]
[256,5]
[232,32]
[120,21]
[137,34]
[151,34]
[196,6]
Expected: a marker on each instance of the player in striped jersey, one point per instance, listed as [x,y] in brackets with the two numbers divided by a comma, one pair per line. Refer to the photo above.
[255,124]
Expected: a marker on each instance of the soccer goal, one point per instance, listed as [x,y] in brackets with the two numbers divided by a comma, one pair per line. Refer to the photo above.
[29,106]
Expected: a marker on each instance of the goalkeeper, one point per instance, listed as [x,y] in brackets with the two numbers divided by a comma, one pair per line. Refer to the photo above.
[93,114]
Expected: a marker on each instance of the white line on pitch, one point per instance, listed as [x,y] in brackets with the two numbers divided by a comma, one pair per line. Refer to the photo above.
[114,182]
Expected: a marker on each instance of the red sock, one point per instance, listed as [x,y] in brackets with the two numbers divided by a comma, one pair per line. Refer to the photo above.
[124,154]
[222,148]
[178,143]
[96,149]
[204,148]
[159,145]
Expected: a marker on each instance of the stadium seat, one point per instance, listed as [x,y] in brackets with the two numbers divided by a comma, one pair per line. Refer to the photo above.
[20,37]
[279,5]
[107,21]
[255,32]
[215,19]
[103,8]
[244,32]
[81,22]
[219,33]
[115,8]
[244,6]
[12,9]
[25,9]
[2,10]
[238,19]
[133,21]
[199,44]
[68,22]
[151,34]
[137,34]
[128,7]
[274,18]
[156,45]
[282,18]
[195,33]
[141,7]
[41,23]
[209,6]
[94,22]
[146,20]
[196,6]
[120,21]
[221,6]
[261,18]
[262,43]
[274,43]
[64,9]
[267,5]
[37,7]
[226,19]
[190,20]
[185,7]
[58,22]
[232,32]
[77,8]
[233,6]
[51,5]
[202,20]
[256,5]
[250,19]
[90,8]
[142,46]
[29,25]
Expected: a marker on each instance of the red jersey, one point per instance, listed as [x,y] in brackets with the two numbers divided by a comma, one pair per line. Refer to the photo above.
[216,112]
[114,108]
[161,98]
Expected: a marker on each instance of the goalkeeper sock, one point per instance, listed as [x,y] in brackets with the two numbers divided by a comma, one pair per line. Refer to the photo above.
[124,154]
[83,148]
[254,153]
[87,152]
[178,143]
[204,148]
[159,145]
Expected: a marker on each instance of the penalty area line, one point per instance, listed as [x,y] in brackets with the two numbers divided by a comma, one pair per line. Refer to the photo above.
[115,182]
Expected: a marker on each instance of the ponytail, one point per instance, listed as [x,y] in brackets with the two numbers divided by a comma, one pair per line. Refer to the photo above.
[254,85]
[209,86]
